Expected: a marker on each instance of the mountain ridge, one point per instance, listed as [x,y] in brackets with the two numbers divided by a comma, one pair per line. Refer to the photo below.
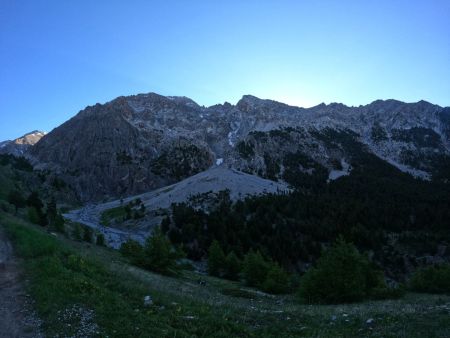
[141,142]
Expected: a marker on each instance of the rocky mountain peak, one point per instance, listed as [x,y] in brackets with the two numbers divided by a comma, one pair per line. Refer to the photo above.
[30,138]
[20,145]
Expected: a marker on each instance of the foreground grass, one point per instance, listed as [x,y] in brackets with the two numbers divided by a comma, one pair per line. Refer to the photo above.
[84,289]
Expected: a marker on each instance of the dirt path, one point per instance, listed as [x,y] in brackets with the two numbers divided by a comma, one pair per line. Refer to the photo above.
[17,320]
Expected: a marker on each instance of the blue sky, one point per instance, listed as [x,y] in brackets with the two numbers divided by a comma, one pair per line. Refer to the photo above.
[57,57]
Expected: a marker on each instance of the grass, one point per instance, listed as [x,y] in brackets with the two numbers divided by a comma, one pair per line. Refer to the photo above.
[94,290]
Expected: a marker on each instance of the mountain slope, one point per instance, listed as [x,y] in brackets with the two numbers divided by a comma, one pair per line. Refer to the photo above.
[204,186]
[138,143]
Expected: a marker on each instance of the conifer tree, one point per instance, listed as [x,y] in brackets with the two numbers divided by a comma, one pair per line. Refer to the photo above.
[255,268]
[277,280]
[342,274]
[216,259]
[232,266]
[159,254]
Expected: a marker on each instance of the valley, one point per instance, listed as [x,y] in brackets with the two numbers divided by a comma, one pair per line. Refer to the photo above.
[241,214]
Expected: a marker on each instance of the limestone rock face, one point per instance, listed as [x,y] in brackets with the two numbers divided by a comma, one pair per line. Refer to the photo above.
[138,143]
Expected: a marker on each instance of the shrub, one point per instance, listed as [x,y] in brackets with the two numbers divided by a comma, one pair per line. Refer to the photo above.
[51,210]
[255,268]
[341,275]
[34,200]
[76,232]
[100,240]
[15,198]
[134,251]
[58,223]
[87,234]
[5,206]
[381,293]
[432,279]
[277,280]
[32,215]
[216,259]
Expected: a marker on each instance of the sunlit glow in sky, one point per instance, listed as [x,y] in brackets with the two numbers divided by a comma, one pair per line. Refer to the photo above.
[59,56]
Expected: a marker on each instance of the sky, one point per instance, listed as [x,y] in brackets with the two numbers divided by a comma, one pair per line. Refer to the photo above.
[57,57]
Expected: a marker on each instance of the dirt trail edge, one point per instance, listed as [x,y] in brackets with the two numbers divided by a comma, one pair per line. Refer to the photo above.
[17,319]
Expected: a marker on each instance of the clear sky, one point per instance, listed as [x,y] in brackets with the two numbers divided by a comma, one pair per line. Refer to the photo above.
[58,56]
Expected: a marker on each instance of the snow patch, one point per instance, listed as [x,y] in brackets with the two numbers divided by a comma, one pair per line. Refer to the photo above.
[335,174]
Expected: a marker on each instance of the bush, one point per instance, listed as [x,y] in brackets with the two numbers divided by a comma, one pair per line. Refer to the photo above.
[432,279]
[34,200]
[255,268]
[6,206]
[134,251]
[76,232]
[277,280]
[16,198]
[58,223]
[87,234]
[216,259]
[341,275]
[100,240]
[381,293]
[33,215]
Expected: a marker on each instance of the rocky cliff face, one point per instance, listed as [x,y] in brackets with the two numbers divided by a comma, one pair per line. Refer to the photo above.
[21,145]
[138,143]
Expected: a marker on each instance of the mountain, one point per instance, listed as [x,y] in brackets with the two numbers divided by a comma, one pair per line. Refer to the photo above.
[134,144]
[19,146]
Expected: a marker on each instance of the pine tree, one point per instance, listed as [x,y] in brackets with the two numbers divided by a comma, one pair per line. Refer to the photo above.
[232,266]
[277,280]
[216,259]
[342,275]
[159,254]
[255,268]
